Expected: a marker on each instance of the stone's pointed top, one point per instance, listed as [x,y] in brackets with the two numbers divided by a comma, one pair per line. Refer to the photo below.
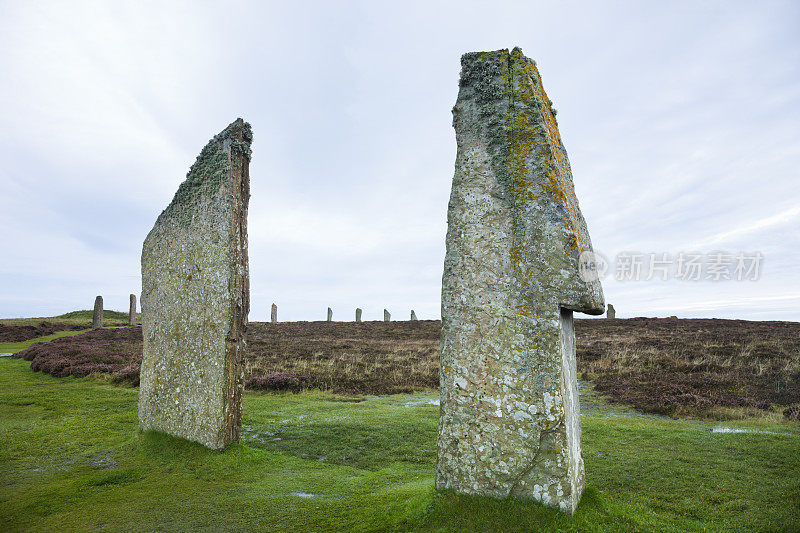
[227,152]
[492,59]
[238,129]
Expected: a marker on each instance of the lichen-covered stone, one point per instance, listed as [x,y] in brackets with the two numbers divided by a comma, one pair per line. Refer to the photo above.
[195,299]
[97,314]
[611,312]
[413,315]
[273,317]
[358,314]
[509,421]
[330,314]
[132,311]
[387,316]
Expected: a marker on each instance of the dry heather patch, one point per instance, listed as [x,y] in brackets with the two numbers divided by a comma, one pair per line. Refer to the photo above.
[348,357]
[693,366]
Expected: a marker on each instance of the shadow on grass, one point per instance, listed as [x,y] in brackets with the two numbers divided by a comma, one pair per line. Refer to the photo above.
[455,512]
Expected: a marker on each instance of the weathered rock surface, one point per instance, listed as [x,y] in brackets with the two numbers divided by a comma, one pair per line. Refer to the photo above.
[330,314]
[509,420]
[97,314]
[273,317]
[132,311]
[195,299]
[387,316]
[611,312]
[413,315]
[358,314]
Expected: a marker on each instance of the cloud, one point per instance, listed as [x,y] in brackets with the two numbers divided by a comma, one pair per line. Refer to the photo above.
[679,120]
[784,218]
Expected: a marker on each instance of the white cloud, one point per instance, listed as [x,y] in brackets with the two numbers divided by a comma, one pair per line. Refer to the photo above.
[784,218]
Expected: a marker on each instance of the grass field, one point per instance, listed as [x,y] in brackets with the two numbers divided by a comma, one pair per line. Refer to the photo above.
[71,458]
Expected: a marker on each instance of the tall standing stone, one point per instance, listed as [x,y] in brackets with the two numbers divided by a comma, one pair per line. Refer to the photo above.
[97,314]
[413,315]
[196,298]
[132,311]
[386,316]
[330,314]
[611,312]
[358,314]
[273,317]
[518,253]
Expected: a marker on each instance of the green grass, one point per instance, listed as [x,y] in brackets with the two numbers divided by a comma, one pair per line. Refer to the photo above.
[71,458]
[14,347]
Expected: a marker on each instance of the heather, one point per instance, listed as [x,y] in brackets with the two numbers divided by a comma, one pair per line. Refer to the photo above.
[674,367]
[14,333]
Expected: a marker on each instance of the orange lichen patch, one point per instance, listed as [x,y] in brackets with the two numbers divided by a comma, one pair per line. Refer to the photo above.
[519,256]
[528,137]
[559,178]
[524,310]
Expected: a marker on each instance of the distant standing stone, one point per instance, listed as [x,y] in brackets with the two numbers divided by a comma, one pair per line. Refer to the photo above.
[413,315]
[273,317]
[358,314]
[518,263]
[132,311]
[196,298]
[386,316]
[611,312]
[97,315]
[330,314]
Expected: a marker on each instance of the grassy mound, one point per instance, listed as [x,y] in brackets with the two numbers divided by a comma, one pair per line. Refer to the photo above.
[81,318]
[88,314]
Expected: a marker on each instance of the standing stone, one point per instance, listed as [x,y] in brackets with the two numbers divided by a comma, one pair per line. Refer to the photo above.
[132,311]
[273,317]
[413,315]
[330,314]
[610,312]
[358,314]
[97,315]
[515,269]
[196,298]
[386,316]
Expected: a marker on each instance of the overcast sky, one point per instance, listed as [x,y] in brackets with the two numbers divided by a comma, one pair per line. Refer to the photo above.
[681,120]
